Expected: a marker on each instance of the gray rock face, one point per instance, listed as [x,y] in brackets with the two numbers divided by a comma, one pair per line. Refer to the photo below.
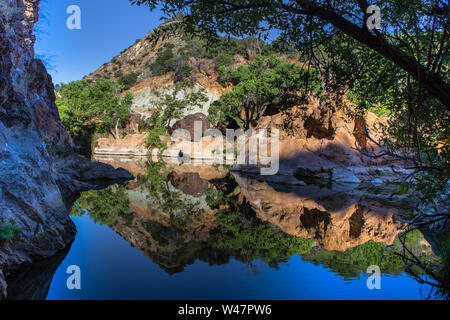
[38,168]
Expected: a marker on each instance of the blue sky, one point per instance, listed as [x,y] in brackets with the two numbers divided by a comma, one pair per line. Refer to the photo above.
[107,27]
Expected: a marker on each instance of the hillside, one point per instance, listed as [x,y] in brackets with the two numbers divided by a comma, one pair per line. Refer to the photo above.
[314,142]
[145,66]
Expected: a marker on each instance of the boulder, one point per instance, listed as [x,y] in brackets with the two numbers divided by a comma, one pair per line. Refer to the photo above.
[188,123]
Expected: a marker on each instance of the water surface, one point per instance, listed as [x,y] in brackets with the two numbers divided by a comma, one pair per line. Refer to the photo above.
[199,232]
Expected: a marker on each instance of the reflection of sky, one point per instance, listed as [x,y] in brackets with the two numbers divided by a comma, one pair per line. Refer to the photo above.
[112,269]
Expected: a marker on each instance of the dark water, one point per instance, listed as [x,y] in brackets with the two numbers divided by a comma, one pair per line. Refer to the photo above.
[113,269]
[157,238]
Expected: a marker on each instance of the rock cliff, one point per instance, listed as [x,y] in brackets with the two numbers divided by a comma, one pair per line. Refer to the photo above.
[40,175]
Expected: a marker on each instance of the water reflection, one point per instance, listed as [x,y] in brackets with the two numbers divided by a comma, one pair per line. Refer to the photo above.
[180,215]
[33,283]
[176,214]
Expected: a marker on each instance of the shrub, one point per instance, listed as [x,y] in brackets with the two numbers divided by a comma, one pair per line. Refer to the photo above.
[223,60]
[163,62]
[129,80]
[7,232]
[154,135]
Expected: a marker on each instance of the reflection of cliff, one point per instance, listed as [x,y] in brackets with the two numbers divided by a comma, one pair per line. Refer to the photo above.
[33,283]
[337,220]
[172,243]
[249,220]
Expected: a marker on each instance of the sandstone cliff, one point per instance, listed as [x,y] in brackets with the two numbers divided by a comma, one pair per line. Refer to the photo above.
[40,175]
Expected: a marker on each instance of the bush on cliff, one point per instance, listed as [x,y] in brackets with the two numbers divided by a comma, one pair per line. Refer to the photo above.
[129,80]
[8,231]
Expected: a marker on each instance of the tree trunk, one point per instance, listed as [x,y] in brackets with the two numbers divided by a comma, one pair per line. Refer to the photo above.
[435,85]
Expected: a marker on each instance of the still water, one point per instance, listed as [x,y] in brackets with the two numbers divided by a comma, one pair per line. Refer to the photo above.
[189,232]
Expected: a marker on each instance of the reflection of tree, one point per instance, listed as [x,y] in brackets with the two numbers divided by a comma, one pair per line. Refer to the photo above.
[435,276]
[164,197]
[350,263]
[106,206]
[215,198]
[253,239]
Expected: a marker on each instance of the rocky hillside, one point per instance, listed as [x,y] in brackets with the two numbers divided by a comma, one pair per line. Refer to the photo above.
[147,67]
[40,175]
[314,144]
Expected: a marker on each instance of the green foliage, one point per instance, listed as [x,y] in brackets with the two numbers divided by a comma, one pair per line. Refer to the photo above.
[186,71]
[267,84]
[129,80]
[258,240]
[350,263]
[170,59]
[226,47]
[88,108]
[154,134]
[105,207]
[164,60]
[223,60]
[354,261]
[214,197]
[169,106]
[8,231]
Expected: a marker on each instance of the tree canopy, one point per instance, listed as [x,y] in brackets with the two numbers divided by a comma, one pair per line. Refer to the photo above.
[86,108]
[267,83]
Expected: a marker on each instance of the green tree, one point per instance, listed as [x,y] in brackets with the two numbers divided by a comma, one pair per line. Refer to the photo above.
[88,108]
[169,106]
[268,83]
